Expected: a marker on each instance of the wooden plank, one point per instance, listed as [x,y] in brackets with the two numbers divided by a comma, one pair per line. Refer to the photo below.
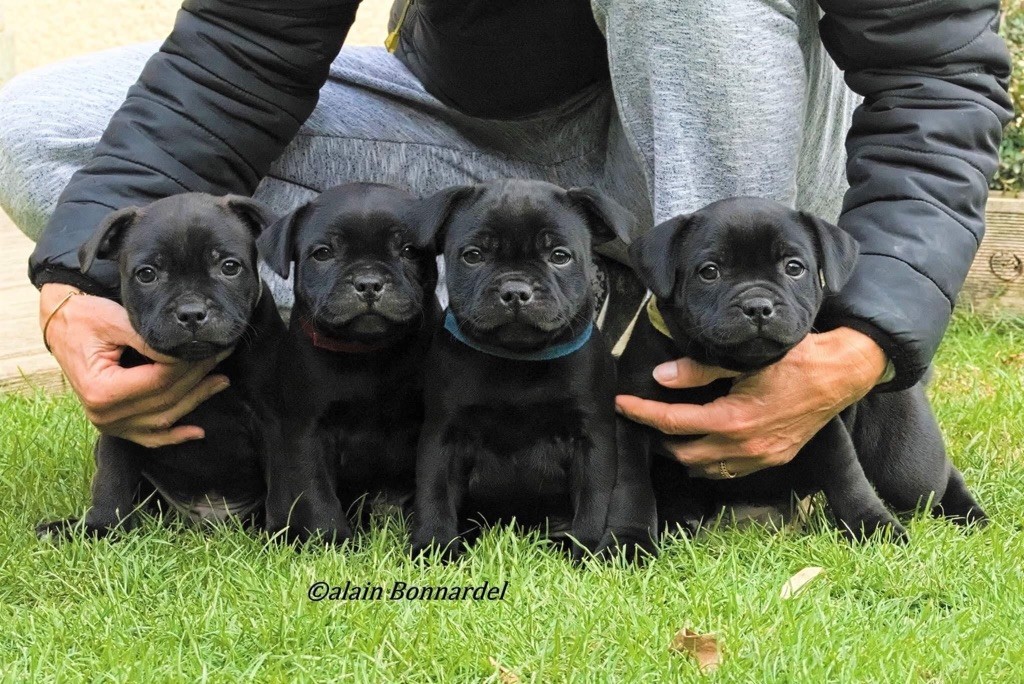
[25,366]
[995,284]
[33,374]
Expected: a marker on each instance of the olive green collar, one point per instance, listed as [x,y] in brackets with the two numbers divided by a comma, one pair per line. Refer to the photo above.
[657,320]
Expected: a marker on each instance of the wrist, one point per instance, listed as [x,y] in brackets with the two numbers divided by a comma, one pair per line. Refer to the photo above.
[50,295]
[53,299]
[863,354]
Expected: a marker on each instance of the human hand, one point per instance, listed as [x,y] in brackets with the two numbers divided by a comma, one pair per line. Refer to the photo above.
[141,404]
[768,415]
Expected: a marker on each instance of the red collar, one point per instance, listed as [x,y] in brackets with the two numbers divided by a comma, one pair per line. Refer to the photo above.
[331,344]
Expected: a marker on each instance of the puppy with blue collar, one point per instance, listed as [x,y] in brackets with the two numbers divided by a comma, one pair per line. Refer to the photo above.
[519,384]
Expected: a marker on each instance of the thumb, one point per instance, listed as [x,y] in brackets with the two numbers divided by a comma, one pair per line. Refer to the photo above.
[685,372]
[120,333]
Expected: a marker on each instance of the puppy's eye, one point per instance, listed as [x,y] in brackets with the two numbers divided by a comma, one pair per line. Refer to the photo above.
[230,267]
[323,253]
[145,274]
[410,252]
[795,269]
[709,272]
[560,257]
[472,256]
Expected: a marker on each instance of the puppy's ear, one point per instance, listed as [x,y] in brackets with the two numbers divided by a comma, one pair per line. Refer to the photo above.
[105,243]
[654,255]
[429,215]
[252,213]
[276,244]
[607,218]
[837,252]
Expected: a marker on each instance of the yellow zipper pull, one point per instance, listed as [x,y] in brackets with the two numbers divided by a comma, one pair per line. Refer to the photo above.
[391,42]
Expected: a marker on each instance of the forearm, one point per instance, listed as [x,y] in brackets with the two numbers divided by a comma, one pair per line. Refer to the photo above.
[921,150]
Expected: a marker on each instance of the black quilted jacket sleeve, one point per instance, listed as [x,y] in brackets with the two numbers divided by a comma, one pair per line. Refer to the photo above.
[212,109]
[921,151]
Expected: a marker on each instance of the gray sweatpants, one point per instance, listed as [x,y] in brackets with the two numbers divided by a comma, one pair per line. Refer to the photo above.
[708,99]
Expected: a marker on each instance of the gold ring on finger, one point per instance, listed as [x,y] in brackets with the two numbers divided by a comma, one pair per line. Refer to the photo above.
[724,471]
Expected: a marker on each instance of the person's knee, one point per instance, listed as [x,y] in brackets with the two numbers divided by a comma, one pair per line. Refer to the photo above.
[27,110]
[24,140]
[724,51]
[701,29]
[52,119]
[696,100]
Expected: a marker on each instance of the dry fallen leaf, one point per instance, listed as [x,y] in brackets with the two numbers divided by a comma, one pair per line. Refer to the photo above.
[1014,359]
[505,675]
[795,584]
[701,647]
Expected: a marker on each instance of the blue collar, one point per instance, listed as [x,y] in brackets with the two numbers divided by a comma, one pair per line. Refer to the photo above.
[556,351]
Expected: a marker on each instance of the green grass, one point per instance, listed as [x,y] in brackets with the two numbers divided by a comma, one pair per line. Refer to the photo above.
[173,604]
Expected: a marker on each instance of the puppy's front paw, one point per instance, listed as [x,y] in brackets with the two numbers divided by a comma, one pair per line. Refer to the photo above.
[633,547]
[426,547]
[301,527]
[974,516]
[302,536]
[60,530]
[581,549]
[877,528]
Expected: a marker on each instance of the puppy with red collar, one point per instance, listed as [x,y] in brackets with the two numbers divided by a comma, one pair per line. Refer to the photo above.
[349,403]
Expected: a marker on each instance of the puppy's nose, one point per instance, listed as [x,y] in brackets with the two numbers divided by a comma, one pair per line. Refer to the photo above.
[368,285]
[515,293]
[758,309]
[191,315]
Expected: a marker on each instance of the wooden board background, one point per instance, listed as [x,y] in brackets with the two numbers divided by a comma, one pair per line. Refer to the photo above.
[995,284]
[24,364]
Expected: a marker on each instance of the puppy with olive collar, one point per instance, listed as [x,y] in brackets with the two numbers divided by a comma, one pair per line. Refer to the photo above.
[737,285]
[190,286]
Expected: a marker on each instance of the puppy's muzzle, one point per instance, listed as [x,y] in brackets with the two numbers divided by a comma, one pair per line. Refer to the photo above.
[758,310]
[191,315]
[515,293]
[369,285]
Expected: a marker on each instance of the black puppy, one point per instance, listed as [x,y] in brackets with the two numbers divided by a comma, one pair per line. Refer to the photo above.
[737,285]
[349,372]
[191,289]
[519,385]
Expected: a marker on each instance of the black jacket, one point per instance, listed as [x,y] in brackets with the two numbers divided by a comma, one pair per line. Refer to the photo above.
[235,80]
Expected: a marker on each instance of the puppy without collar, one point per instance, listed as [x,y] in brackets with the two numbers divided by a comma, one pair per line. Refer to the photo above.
[519,384]
[189,283]
[737,285]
